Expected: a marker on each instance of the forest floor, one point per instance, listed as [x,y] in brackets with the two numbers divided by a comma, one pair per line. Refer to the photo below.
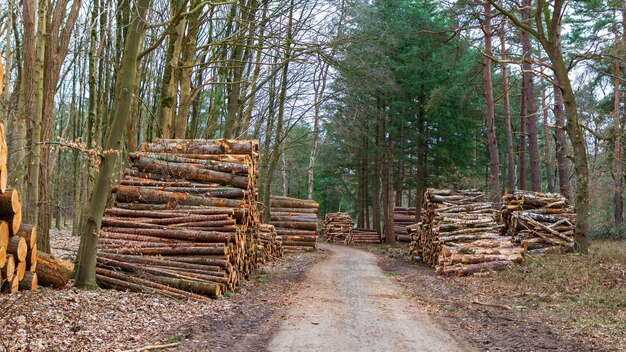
[552,303]
[110,320]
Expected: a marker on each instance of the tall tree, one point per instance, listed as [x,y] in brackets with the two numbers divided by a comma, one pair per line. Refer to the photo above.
[548,17]
[494,163]
[530,116]
[510,156]
[125,85]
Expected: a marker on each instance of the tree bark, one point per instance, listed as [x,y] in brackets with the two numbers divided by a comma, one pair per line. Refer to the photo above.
[562,163]
[617,148]
[510,156]
[546,143]
[521,179]
[531,110]
[125,82]
[494,163]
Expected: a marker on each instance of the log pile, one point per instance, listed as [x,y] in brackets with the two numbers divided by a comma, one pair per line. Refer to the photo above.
[540,222]
[18,242]
[269,245]
[184,222]
[365,236]
[460,235]
[295,221]
[338,228]
[403,217]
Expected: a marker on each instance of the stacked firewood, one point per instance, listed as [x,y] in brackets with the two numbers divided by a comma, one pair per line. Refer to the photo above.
[295,221]
[18,242]
[184,222]
[268,246]
[365,236]
[403,217]
[478,256]
[540,222]
[457,227]
[338,228]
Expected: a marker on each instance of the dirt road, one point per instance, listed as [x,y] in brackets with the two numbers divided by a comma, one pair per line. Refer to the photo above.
[349,304]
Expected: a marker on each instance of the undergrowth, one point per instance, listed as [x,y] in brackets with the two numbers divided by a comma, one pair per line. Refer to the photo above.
[585,293]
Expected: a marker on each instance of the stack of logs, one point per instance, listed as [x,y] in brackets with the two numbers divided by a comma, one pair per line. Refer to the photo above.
[403,217]
[460,234]
[540,222]
[338,228]
[184,222]
[365,236]
[295,221]
[18,242]
[268,246]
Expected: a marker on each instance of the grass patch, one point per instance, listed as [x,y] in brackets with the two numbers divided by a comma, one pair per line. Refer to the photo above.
[393,273]
[450,309]
[381,247]
[261,275]
[229,294]
[175,338]
[582,292]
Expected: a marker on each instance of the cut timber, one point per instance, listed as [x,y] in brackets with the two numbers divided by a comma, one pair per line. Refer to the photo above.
[18,247]
[4,234]
[20,270]
[129,282]
[8,270]
[29,233]
[29,282]
[193,172]
[147,195]
[3,256]
[31,257]
[11,285]
[191,146]
[9,202]
[53,271]
[15,221]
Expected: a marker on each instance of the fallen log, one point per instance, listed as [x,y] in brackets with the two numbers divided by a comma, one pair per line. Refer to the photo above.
[53,271]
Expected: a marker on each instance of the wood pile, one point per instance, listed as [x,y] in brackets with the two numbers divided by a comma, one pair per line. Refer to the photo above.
[460,234]
[295,221]
[18,242]
[540,222]
[269,245]
[184,222]
[365,236]
[403,217]
[338,228]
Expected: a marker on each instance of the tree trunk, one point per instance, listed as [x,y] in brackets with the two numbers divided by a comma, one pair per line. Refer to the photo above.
[546,143]
[32,214]
[521,179]
[390,237]
[125,83]
[25,104]
[422,154]
[278,139]
[562,163]
[531,110]
[169,85]
[400,164]
[617,148]
[510,156]
[319,87]
[187,96]
[494,163]
[377,174]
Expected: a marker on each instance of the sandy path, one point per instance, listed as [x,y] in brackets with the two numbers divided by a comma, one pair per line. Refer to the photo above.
[351,305]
